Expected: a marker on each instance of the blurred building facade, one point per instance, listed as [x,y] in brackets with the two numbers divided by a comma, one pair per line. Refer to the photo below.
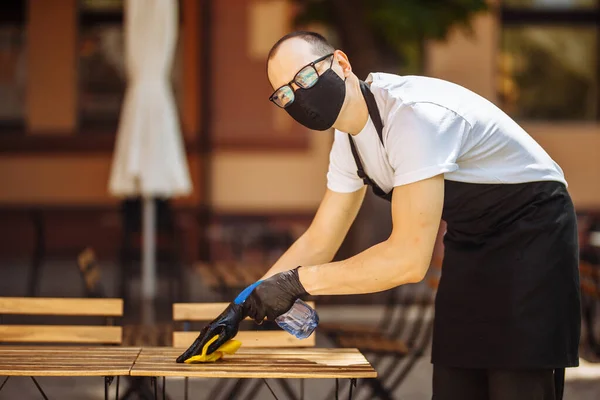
[62,82]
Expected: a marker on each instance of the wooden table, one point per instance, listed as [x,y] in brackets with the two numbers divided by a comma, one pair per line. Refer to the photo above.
[35,361]
[259,363]
[110,362]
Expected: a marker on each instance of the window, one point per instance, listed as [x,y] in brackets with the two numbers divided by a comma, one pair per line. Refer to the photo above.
[548,64]
[102,73]
[13,72]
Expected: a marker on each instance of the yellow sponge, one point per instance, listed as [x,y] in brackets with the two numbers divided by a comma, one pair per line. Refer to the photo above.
[229,347]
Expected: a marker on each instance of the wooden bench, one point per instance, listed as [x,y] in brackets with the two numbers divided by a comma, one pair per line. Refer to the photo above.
[251,339]
[74,334]
[107,309]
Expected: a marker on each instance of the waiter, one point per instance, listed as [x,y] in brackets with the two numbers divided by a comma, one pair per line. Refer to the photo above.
[508,307]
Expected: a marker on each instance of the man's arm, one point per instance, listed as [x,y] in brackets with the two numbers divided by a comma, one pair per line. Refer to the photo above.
[324,237]
[403,258]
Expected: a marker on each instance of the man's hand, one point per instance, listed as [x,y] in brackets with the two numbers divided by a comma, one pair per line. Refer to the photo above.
[225,325]
[267,298]
[273,296]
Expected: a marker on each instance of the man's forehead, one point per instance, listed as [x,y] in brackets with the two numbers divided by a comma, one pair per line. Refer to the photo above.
[291,55]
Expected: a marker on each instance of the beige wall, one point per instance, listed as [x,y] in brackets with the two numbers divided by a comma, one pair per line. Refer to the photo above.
[66,179]
[273,180]
[577,149]
[51,89]
[471,61]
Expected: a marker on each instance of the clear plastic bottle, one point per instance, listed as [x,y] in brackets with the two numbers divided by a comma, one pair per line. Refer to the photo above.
[301,320]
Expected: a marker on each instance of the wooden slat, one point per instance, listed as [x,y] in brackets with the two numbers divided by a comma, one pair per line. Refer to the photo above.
[259,363]
[202,311]
[60,334]
[66,361]
[248,278]
[208,276]
[252,339]
[258,271]
[61,306]
[227,273]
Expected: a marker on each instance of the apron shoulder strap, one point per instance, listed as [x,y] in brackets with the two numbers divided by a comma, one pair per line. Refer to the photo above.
[373,109]
[360,171]
[376,118]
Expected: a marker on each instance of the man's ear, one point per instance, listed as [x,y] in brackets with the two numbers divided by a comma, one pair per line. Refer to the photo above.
[344,63]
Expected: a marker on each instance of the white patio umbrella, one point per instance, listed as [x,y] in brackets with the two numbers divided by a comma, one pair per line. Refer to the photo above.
[149,159]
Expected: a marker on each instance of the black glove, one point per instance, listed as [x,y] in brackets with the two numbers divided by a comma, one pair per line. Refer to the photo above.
[225,325]
[267,298]
[273,296]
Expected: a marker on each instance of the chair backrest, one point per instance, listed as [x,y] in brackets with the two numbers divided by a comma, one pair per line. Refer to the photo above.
[192,312]
[69,334]
[90,273]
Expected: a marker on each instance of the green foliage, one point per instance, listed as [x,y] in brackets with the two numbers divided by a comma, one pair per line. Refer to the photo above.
[401,20]
[395,25]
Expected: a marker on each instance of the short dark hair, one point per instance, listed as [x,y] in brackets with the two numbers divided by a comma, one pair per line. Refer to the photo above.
[320,45]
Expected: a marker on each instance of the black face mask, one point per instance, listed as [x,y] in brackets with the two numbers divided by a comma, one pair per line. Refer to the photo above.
[319,106]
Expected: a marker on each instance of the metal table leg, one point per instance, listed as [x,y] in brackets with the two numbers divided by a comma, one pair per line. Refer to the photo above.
[272,392]
[39,388]
[352,385]
[4,383]
[107,382]
[186,388]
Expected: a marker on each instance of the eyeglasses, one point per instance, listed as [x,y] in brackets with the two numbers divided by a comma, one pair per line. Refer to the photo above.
[306,78]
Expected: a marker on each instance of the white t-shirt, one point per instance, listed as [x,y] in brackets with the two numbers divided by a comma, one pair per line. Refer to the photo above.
[434,127]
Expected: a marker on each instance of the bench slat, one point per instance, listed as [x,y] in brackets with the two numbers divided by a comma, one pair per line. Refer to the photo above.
[61,306]
[227,273]
[251,339]
[60,334]
[208,275]
[202,311]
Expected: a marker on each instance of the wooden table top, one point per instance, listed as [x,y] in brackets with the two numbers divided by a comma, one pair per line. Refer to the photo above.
[66,361]
[259,363]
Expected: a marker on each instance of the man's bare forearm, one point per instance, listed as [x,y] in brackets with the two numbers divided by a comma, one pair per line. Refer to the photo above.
[376,269]
[305,251]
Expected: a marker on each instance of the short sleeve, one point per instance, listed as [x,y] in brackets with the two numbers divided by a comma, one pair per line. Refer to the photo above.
[423,140]
[341,176]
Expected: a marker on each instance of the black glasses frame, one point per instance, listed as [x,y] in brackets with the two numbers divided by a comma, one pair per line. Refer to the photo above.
[289,84]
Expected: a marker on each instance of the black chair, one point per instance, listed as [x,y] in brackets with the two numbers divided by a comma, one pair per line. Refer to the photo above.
[589,270]
[396,344]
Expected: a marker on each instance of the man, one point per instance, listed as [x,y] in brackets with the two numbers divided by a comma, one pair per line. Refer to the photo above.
[508,308]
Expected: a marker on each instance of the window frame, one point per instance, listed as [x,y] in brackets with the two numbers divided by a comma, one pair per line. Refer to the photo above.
[589,17]
[14,12]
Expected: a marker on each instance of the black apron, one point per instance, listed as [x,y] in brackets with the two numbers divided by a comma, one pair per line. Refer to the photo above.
[509,291]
